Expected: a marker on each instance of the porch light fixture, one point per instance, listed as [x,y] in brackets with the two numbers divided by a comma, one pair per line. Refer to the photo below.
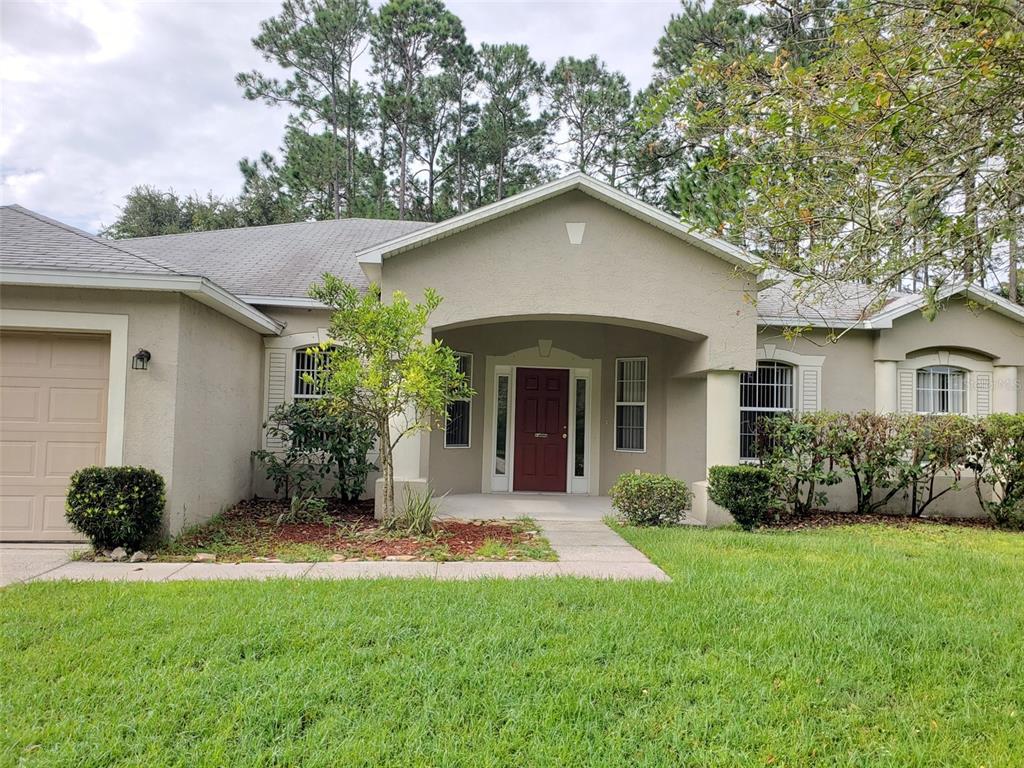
[140,361]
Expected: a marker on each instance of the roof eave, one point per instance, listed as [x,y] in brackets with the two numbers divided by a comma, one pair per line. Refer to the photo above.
[795,321]
[198,288]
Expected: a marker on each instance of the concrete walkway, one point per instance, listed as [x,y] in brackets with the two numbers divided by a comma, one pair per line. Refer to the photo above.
[586,548]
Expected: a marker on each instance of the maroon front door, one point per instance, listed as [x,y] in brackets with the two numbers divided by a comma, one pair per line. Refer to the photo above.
[542,429]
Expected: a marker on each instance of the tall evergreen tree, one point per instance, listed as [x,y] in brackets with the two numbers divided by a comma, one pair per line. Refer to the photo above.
[509,134]
[588,103]
[411,40]
[317,42]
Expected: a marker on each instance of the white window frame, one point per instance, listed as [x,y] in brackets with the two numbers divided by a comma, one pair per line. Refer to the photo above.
[776,364]
[499,374]
[295,371]
[933,370]
[643,404]
[469,408]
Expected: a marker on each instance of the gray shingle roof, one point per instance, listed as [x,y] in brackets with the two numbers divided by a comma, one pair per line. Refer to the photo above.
[839,302]
[30,240]
[276,260]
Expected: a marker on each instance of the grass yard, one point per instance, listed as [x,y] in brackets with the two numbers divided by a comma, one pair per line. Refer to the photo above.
[852,646]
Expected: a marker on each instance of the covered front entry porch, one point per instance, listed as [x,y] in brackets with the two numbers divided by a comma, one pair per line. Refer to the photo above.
[563,407]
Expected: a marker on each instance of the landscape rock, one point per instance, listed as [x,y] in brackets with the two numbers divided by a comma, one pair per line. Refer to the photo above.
[204,557]
[399,558]
[118,555]
[139,557]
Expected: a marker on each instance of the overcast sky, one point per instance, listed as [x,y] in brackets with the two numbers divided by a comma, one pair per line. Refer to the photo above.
[100,96]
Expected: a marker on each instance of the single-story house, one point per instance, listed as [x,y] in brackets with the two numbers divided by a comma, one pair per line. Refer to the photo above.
[601,336]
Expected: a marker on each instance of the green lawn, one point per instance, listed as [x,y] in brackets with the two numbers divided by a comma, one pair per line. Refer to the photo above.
[856,646]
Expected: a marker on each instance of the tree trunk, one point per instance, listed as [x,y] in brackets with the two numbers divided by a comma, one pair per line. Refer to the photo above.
[336,182]
[403,154]
[387,469]
[971,251]
[350,191]
[1013,274]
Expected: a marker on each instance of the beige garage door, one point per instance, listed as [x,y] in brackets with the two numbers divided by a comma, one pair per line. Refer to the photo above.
[53,420]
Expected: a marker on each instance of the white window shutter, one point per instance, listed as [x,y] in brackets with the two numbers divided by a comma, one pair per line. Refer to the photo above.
[984,389]
[906,391]
[277,384]
[810,389]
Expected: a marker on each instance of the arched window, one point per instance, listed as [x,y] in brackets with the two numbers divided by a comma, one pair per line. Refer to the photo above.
[941,389]
[766,392]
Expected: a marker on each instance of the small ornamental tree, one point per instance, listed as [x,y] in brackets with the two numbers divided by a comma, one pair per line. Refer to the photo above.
[382,366]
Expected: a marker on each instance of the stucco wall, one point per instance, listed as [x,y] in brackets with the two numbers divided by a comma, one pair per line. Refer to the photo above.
[459,469]
[217,418]
[150,395]
[848,372]
[193,416]
[524,265]
[957,326]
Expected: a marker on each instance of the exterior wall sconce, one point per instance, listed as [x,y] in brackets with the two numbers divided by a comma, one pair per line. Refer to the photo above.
[140,361]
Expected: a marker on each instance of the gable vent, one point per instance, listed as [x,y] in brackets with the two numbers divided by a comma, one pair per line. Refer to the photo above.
[575,231]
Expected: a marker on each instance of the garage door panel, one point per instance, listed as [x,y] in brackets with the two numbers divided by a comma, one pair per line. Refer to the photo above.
[53,514]
[17,458]
[53,419]
[16,513]
[77,405]
[63,458]
[19,404]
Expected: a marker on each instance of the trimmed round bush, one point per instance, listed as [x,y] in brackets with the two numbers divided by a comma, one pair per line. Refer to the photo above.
[747,491]
[116,506]
[643,498]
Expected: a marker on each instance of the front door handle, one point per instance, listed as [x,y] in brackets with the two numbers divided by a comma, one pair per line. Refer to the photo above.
[564,435]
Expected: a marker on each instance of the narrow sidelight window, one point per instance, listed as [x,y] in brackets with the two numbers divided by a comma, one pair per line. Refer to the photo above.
[941,389]
[764,393]
[456,430]
[579,449]
[631,404]
[501,425]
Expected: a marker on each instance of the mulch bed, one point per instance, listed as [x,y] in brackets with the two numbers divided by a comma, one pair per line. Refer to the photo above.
[350,530]
[823,519]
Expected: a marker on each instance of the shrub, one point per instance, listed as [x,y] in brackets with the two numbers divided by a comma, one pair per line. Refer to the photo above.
[797,451]
[417,516]
[748,492]
[940,447]
[643,498]
[116,506]
[874,450]
[320,441]
[997,458]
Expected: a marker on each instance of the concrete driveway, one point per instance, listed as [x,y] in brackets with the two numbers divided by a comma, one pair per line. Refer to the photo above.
[21,562]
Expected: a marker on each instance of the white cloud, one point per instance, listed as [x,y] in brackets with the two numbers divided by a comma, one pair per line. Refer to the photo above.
[100,96]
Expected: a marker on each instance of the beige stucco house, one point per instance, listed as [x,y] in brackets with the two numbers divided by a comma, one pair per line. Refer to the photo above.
[601,336]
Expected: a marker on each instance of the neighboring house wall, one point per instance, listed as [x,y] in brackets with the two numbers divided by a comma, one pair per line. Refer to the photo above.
[217,418]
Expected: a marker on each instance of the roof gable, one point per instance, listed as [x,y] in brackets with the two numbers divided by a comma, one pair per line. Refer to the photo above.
[574,181]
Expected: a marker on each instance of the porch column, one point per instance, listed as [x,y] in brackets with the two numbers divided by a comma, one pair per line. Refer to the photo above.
[723,441]
[886,389]
[1005,387]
